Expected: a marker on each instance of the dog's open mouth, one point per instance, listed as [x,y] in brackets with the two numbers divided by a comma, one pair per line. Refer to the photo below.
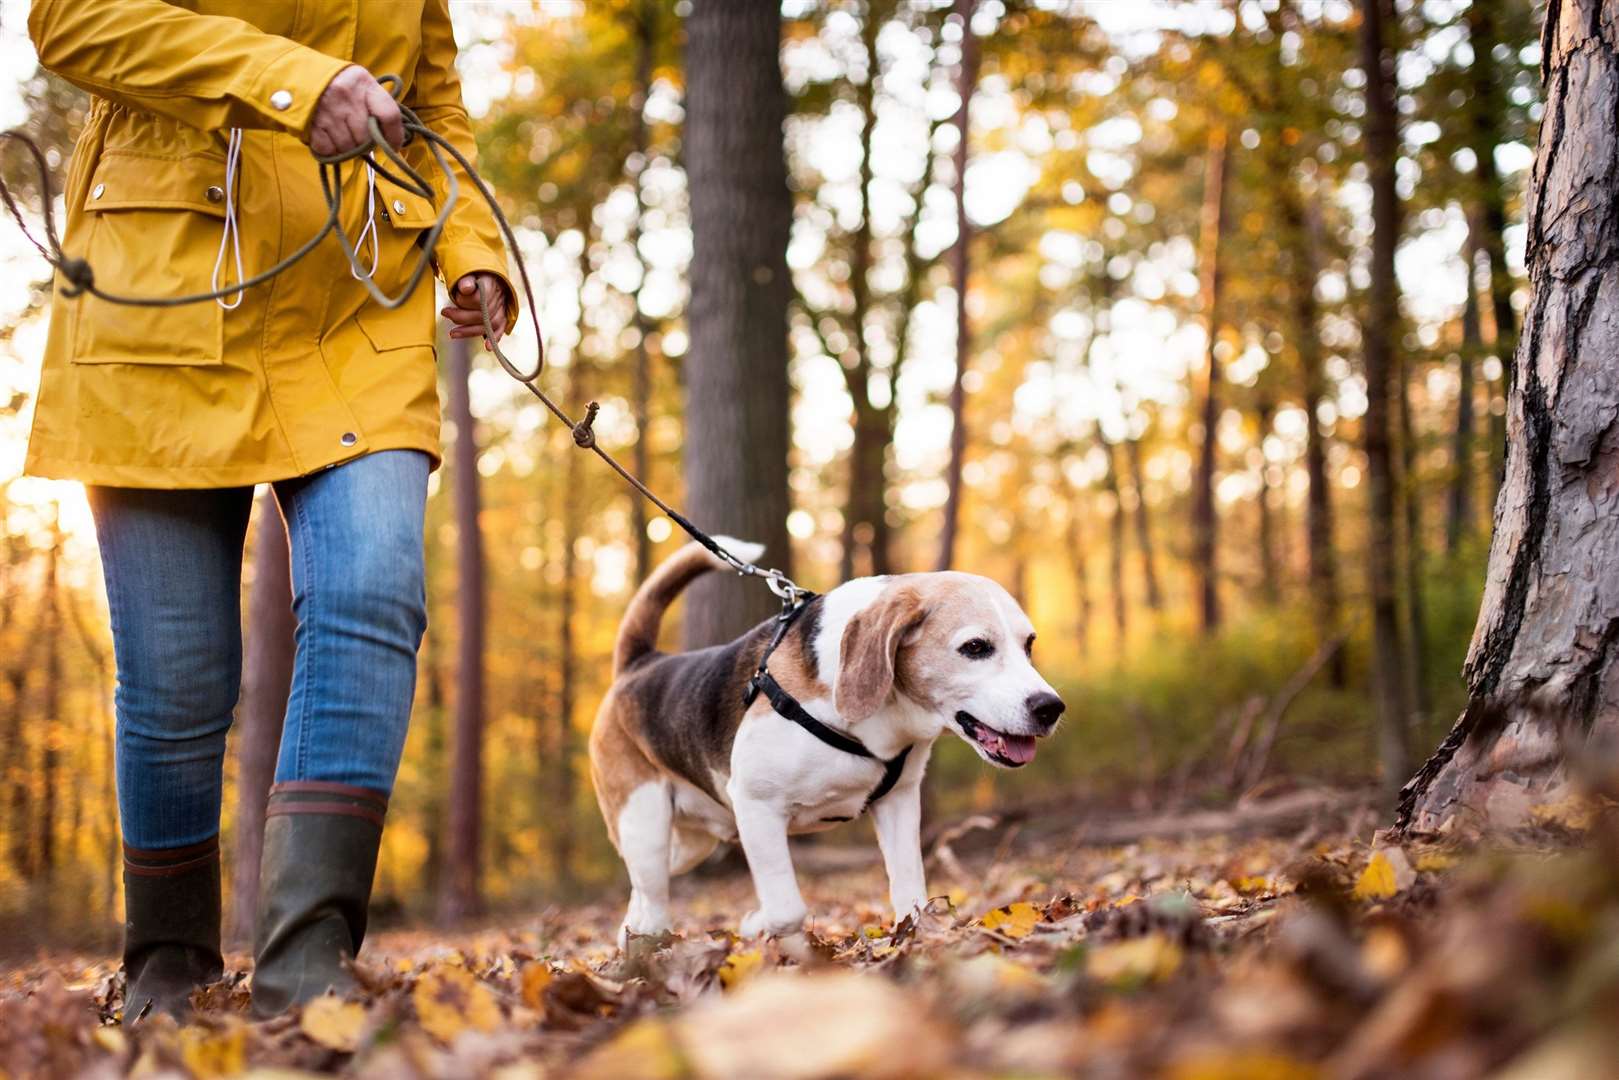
[1013,751]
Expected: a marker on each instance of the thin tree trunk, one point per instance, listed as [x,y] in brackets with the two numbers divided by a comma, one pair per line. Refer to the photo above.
[1489,105]
[1149,558]
[1543,670]
[737,416]
[966,84]
[267,651]
[1080,562]
[1269,585]
[51,704]
[1204,516]
[1110,484]
[1459,507]
[644,18]
[462,895]
[1393,711]
[1416,634]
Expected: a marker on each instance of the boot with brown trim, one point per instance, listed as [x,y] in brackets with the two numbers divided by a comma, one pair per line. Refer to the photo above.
[171,927]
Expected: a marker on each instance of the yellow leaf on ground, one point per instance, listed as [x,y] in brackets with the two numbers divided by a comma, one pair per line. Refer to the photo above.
[449,1001]
[1125,964]
[1377,881]
[646,1049]
[1241,1065]
[738,966]
[333,1023]
[210,1052]
[1435,861]
[536,977]
[957,897]
[1013,920]
[1251,884]
[1575,813]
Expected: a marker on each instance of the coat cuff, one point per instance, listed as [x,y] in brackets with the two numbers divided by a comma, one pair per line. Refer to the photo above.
[456,261]
[288,88]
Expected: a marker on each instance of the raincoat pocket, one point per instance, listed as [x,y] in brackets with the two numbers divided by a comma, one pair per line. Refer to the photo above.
[406,217]
[153,230]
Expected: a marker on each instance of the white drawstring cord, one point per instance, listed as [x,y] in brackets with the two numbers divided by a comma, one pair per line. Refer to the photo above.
[370,226]
[232,235]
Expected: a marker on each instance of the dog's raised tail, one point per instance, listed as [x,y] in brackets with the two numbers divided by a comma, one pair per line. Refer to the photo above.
[638,632]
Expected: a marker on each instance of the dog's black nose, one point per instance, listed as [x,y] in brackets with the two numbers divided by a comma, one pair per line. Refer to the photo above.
[1046,708]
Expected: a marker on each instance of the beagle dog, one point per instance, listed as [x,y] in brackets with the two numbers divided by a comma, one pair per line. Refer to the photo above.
[857,685]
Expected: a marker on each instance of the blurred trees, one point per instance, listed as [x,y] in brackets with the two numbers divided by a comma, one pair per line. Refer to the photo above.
[1099,479]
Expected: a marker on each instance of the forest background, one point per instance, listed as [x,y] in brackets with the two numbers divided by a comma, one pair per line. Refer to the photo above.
[1146,415]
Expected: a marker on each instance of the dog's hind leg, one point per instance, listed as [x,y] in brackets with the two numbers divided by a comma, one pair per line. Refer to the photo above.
[645,824]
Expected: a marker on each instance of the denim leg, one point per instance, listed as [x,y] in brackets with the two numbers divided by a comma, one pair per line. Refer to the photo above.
[172,561]
[359,594]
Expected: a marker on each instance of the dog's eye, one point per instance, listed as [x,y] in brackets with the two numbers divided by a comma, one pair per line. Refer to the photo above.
[976,649]
[1028,647]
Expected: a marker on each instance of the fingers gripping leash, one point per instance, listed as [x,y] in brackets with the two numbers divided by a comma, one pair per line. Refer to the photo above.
[78,277]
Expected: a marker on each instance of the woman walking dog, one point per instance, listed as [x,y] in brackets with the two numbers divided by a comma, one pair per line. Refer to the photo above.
[194,171]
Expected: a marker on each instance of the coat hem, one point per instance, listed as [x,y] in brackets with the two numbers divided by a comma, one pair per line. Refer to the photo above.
[166,477]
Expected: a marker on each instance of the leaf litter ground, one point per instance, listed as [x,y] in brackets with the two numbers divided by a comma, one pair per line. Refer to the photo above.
[1280,946]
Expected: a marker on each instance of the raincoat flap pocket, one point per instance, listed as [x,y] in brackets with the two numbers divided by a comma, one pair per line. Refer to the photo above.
[130,181]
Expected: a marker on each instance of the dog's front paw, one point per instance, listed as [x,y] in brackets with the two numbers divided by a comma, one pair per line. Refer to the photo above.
[755,923]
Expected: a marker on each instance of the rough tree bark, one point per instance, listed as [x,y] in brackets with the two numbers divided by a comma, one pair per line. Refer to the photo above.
[1389,674]
[736,374]
[1543,670]
[1204,518]
[966,84]
[1459,505]
[267,651]
[461,897]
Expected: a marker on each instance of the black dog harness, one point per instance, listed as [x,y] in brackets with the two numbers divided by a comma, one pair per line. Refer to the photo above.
[788,707]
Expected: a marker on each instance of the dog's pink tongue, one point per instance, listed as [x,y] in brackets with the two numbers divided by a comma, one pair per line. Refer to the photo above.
[1018,748]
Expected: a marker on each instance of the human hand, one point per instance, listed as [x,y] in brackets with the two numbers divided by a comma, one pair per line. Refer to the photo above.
[463,309]
[349,100]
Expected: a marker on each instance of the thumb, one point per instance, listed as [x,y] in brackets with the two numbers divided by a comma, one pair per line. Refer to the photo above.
[468,284]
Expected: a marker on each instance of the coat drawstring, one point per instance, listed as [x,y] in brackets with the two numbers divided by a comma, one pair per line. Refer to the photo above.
[232,236]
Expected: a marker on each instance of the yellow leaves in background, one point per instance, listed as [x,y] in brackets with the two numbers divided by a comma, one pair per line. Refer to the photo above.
[738,967]
[1135,962]
[1014,920]
[1387,873]
[449,1001]
[333,1023]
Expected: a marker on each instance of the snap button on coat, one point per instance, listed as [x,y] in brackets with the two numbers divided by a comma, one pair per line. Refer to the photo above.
[197,396]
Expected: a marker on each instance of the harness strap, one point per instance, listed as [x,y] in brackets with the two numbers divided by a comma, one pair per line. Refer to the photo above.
[788,708]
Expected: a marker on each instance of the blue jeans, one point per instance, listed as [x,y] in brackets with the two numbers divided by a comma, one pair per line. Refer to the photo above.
[173,567]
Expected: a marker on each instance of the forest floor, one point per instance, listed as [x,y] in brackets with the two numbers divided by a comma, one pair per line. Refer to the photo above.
[1275,940]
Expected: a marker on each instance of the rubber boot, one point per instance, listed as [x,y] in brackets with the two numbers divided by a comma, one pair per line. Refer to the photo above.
[171,927]
[320,856]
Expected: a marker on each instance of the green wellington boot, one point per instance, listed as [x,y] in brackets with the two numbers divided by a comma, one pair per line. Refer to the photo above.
[320,855]
[171,927]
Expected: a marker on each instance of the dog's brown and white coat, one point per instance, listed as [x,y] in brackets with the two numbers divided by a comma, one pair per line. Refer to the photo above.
[680,764]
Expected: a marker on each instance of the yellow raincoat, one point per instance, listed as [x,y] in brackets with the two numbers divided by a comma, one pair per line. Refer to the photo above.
[307,371]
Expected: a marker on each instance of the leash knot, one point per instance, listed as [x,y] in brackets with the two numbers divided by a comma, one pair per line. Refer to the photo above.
[584,436]
[80,278]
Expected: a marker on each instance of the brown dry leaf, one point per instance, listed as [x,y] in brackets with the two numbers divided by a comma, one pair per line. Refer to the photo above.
[449,1001]
[1241,1065]
[209,1052]
[1014,920]
[1131,963]
[739,967]
[787,1026]
[536,977]
[333,1023]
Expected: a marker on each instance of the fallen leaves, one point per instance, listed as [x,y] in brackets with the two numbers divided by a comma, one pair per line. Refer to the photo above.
[449,1001]
[333,1023]
[1013,920]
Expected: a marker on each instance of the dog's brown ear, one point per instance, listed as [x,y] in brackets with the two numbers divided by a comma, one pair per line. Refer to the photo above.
[870,650]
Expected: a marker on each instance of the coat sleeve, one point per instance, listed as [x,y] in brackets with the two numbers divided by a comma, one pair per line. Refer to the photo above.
[471,239]
[207,71]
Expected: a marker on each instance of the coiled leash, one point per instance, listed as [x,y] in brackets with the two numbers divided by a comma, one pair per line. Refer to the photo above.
[79,278]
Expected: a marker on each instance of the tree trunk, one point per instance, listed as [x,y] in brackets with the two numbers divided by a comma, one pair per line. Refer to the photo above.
[1416,628]
[1082,577]
[1393,711]
[51,702]
[1269,566]
[267,650]
[1149,557]
[1204,518]
[1110,484]
[644,17]
[737,415]
[1489,105]
[966,84]
[1543,670]
[461,897]
[1459,507]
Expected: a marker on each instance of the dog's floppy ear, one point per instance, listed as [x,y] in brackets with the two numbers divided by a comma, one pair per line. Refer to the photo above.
[870,650]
